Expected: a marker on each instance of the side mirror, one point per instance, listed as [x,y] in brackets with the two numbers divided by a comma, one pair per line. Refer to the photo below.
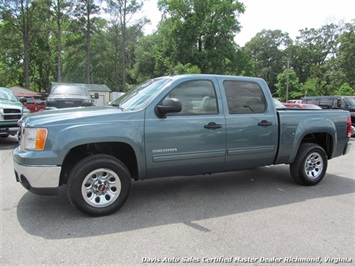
[43,96]
[172,105]
[23,100]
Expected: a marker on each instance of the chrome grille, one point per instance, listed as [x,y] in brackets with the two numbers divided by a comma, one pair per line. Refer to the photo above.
[12,114]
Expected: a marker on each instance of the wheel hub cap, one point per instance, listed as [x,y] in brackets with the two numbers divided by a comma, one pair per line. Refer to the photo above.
[101,187]
[314,165]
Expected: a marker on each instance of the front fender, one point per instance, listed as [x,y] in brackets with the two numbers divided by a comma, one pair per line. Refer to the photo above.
[61,140]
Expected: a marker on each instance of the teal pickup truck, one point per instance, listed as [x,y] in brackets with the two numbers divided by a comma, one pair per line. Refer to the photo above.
[173,126]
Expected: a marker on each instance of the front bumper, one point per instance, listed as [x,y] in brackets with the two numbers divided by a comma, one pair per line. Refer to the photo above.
[12,130]
[42,179]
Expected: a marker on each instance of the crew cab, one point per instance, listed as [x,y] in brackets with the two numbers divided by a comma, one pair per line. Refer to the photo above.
[172,126]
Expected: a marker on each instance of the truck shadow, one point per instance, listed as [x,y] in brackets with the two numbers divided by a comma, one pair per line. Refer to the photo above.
[184,200]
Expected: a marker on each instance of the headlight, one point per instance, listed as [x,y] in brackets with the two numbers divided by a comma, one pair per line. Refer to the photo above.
[87,101]
[34,139]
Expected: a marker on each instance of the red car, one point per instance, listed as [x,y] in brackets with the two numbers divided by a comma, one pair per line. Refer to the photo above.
[34,102]
[301,106]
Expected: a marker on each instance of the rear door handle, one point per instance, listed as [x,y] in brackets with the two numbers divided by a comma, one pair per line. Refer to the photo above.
[264,123]
[212,125]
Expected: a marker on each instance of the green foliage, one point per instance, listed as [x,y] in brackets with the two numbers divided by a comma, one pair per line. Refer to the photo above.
[346,56]
[200,33]
[186,69]
[52,40]
[345,90]
[267,51]
[288,86]
[311,87]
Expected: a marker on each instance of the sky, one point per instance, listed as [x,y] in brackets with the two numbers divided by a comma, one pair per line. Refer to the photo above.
[286,15]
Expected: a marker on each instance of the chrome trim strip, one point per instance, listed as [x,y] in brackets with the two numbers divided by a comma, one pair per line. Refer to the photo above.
[188,155]
[257,149]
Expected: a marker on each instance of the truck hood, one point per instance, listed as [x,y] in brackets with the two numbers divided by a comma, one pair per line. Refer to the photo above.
[10,104]
[70,116]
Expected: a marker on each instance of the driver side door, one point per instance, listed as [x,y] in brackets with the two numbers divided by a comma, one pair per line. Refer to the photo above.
[191,141]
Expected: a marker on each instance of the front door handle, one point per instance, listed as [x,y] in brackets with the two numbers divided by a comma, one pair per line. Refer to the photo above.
[264,123]
[212,125]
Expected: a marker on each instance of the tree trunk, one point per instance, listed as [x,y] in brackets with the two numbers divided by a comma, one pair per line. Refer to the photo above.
[88,35]
[59,17]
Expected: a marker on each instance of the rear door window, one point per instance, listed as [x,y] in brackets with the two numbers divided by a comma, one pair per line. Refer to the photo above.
[244,97]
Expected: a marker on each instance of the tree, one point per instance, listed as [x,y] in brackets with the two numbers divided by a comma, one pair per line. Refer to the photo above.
[346,56]
[122,12]
[267,51]
[11,56]
[345,90]
[288,85]
[59,12]
[84,12]
[19,14]
[200,33]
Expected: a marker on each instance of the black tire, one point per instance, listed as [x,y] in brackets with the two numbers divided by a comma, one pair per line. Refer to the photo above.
[99,185]
[310,164]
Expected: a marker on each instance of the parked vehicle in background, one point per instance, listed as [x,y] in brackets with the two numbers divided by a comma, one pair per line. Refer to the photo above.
[34,102]
[294,101]
[301,106]
[335,102]
[66,96]
[11,111]
[279,105]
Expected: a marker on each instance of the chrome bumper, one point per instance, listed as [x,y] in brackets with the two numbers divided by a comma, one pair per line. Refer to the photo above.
[43,179]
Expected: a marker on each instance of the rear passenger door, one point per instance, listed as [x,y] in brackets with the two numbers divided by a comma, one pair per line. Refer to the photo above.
[252,127]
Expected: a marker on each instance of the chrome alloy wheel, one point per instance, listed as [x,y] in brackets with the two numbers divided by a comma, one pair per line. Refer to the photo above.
[101,187]
[313,165]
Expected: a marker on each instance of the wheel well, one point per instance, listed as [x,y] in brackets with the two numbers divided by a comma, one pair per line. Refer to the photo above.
[121,151]
[322,139]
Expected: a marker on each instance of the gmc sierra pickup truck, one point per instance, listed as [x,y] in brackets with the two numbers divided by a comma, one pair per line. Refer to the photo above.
[173,126]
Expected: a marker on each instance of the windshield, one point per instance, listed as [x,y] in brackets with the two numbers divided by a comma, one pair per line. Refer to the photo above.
[350,102]
[6,94]
[69,90]
[141,95]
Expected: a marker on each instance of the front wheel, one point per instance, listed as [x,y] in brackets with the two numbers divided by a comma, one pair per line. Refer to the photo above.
[99,185]
[310,164]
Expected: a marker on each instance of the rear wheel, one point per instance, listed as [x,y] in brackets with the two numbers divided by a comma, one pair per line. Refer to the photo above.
[99,185]
[310,164]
